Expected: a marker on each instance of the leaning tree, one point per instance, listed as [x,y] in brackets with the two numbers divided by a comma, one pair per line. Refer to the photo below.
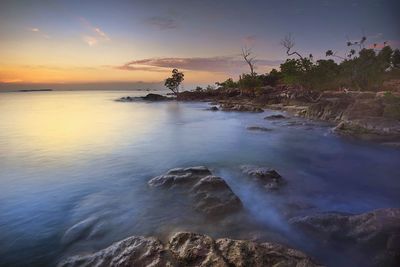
[173,82]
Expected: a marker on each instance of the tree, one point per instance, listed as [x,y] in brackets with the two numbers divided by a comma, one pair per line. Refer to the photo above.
[173,82]
[246,54]
[288,43]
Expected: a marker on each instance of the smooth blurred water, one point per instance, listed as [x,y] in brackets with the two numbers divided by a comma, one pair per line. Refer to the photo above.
[82,160]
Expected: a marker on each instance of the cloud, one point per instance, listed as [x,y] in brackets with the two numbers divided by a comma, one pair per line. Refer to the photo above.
[224,64]
[102,34]
[90,40]
[94,35]
[162,23]
[38,31]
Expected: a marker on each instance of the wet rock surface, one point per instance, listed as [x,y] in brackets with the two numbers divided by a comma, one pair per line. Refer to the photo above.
[268,177]
[191,249]
[259,128]
[275,117]
[210,194]
[376,233]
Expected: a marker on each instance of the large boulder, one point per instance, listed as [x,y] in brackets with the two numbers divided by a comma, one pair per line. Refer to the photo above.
[375,233]
[191,249]
[268,177]
[211,195]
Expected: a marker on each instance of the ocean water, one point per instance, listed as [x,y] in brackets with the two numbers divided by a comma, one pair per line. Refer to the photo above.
[74,168]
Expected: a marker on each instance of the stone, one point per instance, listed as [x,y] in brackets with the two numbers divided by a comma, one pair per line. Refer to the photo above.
[374,233]
[210,194]
[259,128]
[192,249]
[270,178]
[275,117]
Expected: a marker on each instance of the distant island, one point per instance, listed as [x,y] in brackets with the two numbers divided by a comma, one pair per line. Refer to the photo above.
[35,90]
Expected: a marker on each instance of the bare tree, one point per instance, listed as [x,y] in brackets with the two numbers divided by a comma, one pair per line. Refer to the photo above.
[247,56]
[288,43]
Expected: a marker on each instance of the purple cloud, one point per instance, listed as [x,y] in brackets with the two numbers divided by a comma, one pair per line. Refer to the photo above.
[213,64]
[162,23]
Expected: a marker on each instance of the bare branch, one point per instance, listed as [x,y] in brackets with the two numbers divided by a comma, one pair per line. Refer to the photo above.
[288,43]
[246,53]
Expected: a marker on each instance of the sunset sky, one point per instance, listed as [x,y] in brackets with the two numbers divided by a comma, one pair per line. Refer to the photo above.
[134,44]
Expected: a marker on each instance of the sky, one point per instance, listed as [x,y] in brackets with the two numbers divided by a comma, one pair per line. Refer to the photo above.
[135,44]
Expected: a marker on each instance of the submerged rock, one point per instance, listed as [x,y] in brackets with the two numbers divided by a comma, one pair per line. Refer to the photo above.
[191,249]
[148,97]
[214,108]
[80,230]
[270,178]
[375,233]
[211,194]
[259,128]
[275,117]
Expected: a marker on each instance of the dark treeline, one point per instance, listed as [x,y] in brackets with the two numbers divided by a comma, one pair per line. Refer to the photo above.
[360,69]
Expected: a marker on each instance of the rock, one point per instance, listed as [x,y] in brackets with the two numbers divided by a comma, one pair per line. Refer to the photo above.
[127,99]
[374,233]
[211,194]
[259,128]
[240,107]
[155,97]
[191,249]
[270,178]
[133,251]
[214,108]
[275,117]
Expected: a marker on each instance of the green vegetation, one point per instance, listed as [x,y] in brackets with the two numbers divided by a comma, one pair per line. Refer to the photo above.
[361,69]
[173,82]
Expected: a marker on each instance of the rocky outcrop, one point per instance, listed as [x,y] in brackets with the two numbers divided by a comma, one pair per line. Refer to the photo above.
[191,249]
[148,97]
[268,177]
[210,194]
[375,233]
[155,97]
[240,107]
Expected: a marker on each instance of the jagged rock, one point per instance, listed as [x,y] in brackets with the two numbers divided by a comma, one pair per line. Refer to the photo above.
[270,178]
[259,128]
[211,194]
[133,251]
[275,117]
[191,249]
[375,233]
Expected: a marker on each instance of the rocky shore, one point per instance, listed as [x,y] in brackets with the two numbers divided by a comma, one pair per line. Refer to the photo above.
[373,116]
[375,235]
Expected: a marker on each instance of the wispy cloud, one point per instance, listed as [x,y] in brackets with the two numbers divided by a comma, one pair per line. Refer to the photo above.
[162,23]
[211,64]
[94,35]
[90,40]
[40,32]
